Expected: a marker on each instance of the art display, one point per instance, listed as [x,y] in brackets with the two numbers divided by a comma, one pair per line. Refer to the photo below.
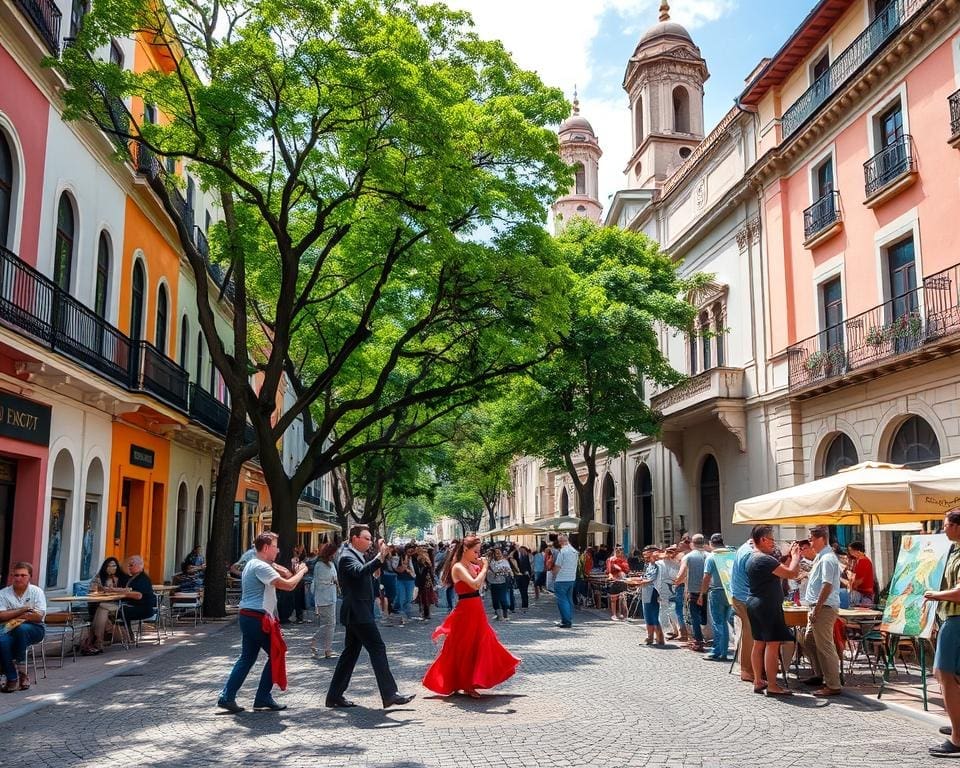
[724,561]
[919,568]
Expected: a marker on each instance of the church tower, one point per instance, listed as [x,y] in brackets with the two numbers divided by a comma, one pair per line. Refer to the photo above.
[579,148]
[664,81]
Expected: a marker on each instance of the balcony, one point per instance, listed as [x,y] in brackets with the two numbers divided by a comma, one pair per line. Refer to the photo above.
[160,376]
[822,220]
[891,170]
[183,209]
[875,37]
[203,247]
[923,321]
[954,101]
[310,497]
[205,409]
[146,162]
[45,17]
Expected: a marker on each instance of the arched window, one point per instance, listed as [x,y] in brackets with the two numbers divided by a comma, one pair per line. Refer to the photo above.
[915,445]
[198,519]
[609,506]
[580,187]
[200,359]
[719,318]
[6,189]
[638,122]
[180,542]
[692,338]
[710,497]
[705,331]
[103,276]
[184,341]
[842,453]
[681,110]
[162,309]
[564,503]
[643,504]
[136,301]
[63,248]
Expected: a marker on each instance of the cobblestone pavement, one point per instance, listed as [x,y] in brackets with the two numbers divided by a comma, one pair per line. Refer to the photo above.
[584,696]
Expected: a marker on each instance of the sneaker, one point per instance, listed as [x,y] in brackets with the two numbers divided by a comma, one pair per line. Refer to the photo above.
[947,749]
[315,653]
[230,706]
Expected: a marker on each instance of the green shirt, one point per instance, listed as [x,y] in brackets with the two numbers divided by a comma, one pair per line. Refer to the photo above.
[951,579]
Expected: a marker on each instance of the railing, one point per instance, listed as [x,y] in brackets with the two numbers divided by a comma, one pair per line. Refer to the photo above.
[182,208]
[858,53]
[46,20]
[889,164]
[208,411]
[821,214]
[898,326]
[954,100]
[203,247]
[310,497]
[160,376]
[147,163]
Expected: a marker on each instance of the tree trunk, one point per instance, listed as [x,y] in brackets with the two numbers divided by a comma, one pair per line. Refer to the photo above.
[585,498]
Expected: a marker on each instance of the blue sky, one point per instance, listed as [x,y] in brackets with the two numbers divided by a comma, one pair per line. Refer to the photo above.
[588,43]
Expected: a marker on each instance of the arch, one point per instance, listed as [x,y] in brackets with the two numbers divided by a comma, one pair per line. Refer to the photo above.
[709,485]
[163,318]
[892,419]
[65,242]
[638,122]
[8,132]
[7,171]
[608,507]
[90,539]
[181,543]
[59,522]
[184,341]
[840,453]
[564,502]
[915,444]
[137,299]
[681,110]
[580,179]
[101,290]
[198,538]
[643,505]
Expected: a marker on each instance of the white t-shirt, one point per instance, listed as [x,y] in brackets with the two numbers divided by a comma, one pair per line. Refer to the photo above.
[567,562]
[256,585]
[32,598]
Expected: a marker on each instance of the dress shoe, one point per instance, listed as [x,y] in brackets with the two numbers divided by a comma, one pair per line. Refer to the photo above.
[270,706]
[946,730]
[815,680]
[398,700]
[230,706]
[562,624]
[823,692]
[340,703]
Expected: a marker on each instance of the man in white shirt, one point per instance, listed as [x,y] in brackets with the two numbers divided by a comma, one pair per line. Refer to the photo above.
[23,607]
[565,575]
[822,595]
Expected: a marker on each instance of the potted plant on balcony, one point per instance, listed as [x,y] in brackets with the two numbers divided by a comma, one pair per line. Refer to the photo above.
[835,362]
[906,327]
[876,336]
[814,363]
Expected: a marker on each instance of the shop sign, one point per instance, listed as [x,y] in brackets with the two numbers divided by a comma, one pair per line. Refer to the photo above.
[24,419]
[141,457]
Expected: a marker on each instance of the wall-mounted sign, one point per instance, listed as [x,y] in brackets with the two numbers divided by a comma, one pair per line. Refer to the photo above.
[24,419]
[141,457]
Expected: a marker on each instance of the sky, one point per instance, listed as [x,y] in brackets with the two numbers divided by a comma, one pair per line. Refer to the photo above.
[587,43]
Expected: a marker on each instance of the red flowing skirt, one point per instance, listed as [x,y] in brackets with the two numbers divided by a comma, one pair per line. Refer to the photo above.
[471,656]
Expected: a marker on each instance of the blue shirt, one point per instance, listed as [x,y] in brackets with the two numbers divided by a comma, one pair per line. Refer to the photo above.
[826,570]
[539,563]
[710,567]
[739,586]
[256,585]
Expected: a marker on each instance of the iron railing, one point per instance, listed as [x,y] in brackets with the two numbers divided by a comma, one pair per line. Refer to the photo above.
[821,214]
[898,326]
[203,247]
[858,53]
[147,163]
[45,17]
[954,100]
[310,497]
[889,164]
[184,210]
[160,376]
[208,411]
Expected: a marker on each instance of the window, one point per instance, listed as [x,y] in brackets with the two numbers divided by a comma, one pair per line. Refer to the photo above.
[149,114]
[710,496]
[116,54]
[103,276]
[902,275]
[609,507]
[191,197]
[136,301]
[719,319]
[705,340]
[63,249]
[915,445]
[831,299]
[564,503]
[638,122]
[78,9]
[692,338]
[841,454]
[890,124]
[184,341]
[643,504]
[823,179]
[162,309]
[6,189]
[681,110]
[685,152]
[199,378]
[820,67]
[580,187]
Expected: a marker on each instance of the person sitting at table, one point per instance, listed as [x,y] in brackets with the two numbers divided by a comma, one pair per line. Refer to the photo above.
[860,577]
[23,607]
[137,599]
[192,571]
[106,581]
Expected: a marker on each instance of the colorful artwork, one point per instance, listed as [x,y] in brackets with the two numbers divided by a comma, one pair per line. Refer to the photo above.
[920,567]
[724,561]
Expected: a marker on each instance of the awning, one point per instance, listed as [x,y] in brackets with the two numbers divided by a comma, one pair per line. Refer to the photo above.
[936,490]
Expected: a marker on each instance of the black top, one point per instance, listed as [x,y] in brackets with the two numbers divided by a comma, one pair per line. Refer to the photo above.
[356,587]
[144,606]
[764,585]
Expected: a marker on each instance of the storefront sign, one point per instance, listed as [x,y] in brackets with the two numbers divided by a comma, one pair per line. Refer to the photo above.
[141,457]
[24,419]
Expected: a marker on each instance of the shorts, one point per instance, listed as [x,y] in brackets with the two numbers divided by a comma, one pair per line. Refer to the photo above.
[617,587]
[541,579]
[651,613]
[947,658]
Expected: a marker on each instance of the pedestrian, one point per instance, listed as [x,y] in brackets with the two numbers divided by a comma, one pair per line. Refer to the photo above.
[565,575]
[497,574]
[669,568]
[539,571]
[356,614]
[691,578]
[550,556]
[617,569]
[325,591]
[259,626]
[426,593]
[720,612]
[406,581]
[946,662]
[650,595]
[861,576]
[739,592]
[822,596]
[524,576]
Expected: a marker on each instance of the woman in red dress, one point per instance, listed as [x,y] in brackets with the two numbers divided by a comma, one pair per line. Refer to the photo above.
[472,656]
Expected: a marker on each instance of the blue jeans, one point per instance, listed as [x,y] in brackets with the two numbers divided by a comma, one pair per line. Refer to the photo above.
[451,597]
[253,638]
[404,597]
[697,617]
[564,592]
[678,605]
[389,581]
[498,597]
[13,647]
[720,620]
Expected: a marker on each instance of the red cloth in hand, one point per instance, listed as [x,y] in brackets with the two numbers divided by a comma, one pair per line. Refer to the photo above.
[278,651]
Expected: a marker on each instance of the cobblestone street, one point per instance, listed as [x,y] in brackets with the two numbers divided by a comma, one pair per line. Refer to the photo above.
[586,696]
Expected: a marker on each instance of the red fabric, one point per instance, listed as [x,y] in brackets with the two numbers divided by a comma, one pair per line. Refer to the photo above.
[472,656]
[863,570]
[617,565]
[840,636]
[278,651]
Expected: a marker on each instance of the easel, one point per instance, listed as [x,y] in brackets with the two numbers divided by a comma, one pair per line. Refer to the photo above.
[889,659]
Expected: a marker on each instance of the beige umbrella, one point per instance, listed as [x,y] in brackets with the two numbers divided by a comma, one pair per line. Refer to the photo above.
[515,529]
[570,523]
[936,489]
[871,490]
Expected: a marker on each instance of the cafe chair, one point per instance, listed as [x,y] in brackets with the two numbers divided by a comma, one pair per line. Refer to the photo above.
[60,626]
[32,654]
[155,620]
[183,603]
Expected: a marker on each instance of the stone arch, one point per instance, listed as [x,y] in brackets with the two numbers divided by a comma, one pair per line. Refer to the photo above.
[60,521]
[181,540]
[710,496]
[643,505]
[91,529]
[898,412]
[198,516]
[681,110]
[564,502]
[608,505]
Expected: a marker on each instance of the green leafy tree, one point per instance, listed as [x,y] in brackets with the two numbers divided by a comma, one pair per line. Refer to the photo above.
[589,395]
[482,452]
[382,175]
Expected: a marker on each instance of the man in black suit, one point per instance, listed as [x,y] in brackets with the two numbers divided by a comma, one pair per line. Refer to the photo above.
[356,615]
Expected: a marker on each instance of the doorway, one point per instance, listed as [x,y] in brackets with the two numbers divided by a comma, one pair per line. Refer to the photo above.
[8,477]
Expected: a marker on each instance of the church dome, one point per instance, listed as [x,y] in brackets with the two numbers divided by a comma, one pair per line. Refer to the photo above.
[576,121]
[665,29]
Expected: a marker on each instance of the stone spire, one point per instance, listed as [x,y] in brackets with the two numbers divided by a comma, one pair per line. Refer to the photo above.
[580,149]
[664,10]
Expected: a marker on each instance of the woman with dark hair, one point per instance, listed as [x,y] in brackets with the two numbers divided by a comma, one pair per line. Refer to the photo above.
[472,656]
[192,568]
[325,591]
[107,580]
[426,592]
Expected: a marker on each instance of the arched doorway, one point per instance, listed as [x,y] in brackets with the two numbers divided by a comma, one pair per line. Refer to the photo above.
[643,504]
[915,445]
[198,519]
[840,454]
[710,497]
[59,528]
[90,542]
[564,503]
[182,528]
[137,301]
[609,509]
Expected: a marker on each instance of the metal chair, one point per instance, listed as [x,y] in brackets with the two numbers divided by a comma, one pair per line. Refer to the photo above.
[183,603]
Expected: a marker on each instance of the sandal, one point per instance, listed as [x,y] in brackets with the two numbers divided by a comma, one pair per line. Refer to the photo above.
[779,693]
[24,683]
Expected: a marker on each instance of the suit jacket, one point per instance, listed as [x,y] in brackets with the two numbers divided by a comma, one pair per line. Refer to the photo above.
[356,587]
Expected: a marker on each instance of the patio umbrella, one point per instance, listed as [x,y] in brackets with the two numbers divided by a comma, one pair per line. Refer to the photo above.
[515,529]
[570,523]
[936,489]
[870,490]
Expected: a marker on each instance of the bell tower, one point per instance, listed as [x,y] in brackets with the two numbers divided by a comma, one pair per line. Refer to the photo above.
[664,81]
[579,148]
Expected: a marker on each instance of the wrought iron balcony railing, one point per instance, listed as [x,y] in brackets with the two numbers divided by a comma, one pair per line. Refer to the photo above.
[858,53]
[45,17]
[900,325]
[147,163]
[160,376]
[822,214]
[889,164]
[202,245]
[184,210]
[954,101]
[310,497]
[208,411]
